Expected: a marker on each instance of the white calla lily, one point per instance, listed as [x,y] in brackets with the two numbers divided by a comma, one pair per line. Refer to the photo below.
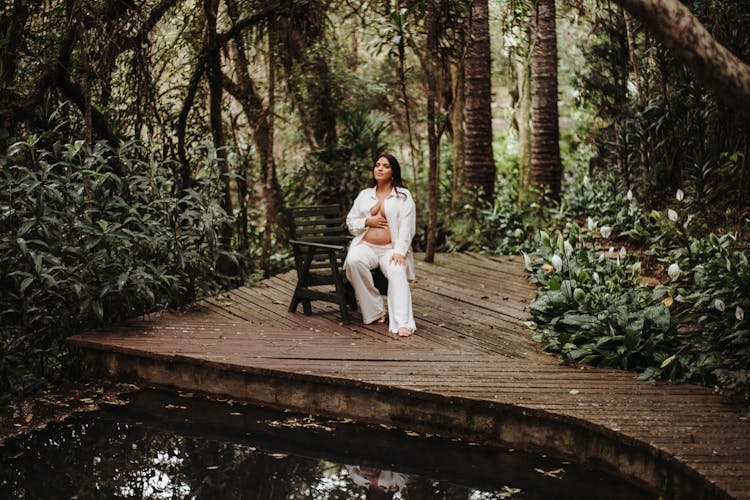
[719,305]
[605,231]
[630,194]
[556,262]
[739,313]
[673,271]
[672,215]
[680,195]
[527,262]
[567,247]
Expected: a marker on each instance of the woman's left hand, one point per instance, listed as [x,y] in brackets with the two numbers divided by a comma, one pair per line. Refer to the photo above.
[398,259]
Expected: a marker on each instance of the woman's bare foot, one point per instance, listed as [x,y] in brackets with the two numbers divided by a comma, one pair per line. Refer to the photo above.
[380,319]
[404,332]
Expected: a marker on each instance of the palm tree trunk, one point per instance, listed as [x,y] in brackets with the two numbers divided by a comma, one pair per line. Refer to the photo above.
[546,166]
[479,167]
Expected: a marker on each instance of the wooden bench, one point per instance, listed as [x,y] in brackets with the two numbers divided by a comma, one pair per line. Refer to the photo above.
[319,242]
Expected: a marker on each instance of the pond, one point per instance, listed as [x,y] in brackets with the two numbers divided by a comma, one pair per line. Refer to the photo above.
[161,445]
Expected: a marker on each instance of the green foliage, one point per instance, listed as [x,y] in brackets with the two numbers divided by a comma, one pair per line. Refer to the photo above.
[710,288]
[336,175]
[81,246]
[592,307]
[604,201]
[660,129]
[499,227]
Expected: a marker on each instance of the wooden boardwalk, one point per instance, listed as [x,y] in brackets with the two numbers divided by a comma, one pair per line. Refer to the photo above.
[470,370]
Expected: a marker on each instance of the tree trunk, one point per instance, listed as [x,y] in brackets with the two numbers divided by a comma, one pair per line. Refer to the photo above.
[432,136]
[14,38]
[457,127]
[712,63]
[213,62]
[546,166]
[310,76]
[407,108]
[479,168]
[522,116]
[271,183]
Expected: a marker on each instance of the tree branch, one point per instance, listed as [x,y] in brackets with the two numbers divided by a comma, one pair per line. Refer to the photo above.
[712,63]
[74,92]
[240,25]
[195,79]
[148,25]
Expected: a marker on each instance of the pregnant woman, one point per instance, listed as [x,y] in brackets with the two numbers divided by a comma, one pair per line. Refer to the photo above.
[383,221]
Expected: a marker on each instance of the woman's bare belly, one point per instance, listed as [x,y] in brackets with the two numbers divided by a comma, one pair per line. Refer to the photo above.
[378,236]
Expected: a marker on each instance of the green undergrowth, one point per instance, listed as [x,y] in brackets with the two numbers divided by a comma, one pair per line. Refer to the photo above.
[90,236]
[657,293]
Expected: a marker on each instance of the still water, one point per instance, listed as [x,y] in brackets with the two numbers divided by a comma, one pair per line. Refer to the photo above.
[157,445]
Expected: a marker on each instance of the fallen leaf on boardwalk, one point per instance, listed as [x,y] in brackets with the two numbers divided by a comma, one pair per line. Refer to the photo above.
[279,455]
[175,407]
[574,391]
[235,413]
[412,433]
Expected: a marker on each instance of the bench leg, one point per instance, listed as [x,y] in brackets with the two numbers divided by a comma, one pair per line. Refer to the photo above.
[295,302]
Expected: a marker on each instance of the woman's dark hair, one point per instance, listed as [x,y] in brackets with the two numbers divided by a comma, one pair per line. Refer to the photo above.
[396,180]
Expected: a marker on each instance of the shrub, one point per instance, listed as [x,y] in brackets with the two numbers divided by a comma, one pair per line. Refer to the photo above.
[81,245]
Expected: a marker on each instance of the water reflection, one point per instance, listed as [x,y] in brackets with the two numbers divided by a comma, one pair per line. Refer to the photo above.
[377,484]
[157,448]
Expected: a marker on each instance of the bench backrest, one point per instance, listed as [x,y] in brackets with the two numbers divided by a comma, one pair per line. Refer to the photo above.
[318,224]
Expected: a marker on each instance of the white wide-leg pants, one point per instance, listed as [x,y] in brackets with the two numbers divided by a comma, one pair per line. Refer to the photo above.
[361,259]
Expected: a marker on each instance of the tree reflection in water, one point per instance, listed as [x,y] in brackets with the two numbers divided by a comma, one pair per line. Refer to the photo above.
[152,448]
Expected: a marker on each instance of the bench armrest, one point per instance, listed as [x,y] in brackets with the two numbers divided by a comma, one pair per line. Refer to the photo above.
[314,244]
